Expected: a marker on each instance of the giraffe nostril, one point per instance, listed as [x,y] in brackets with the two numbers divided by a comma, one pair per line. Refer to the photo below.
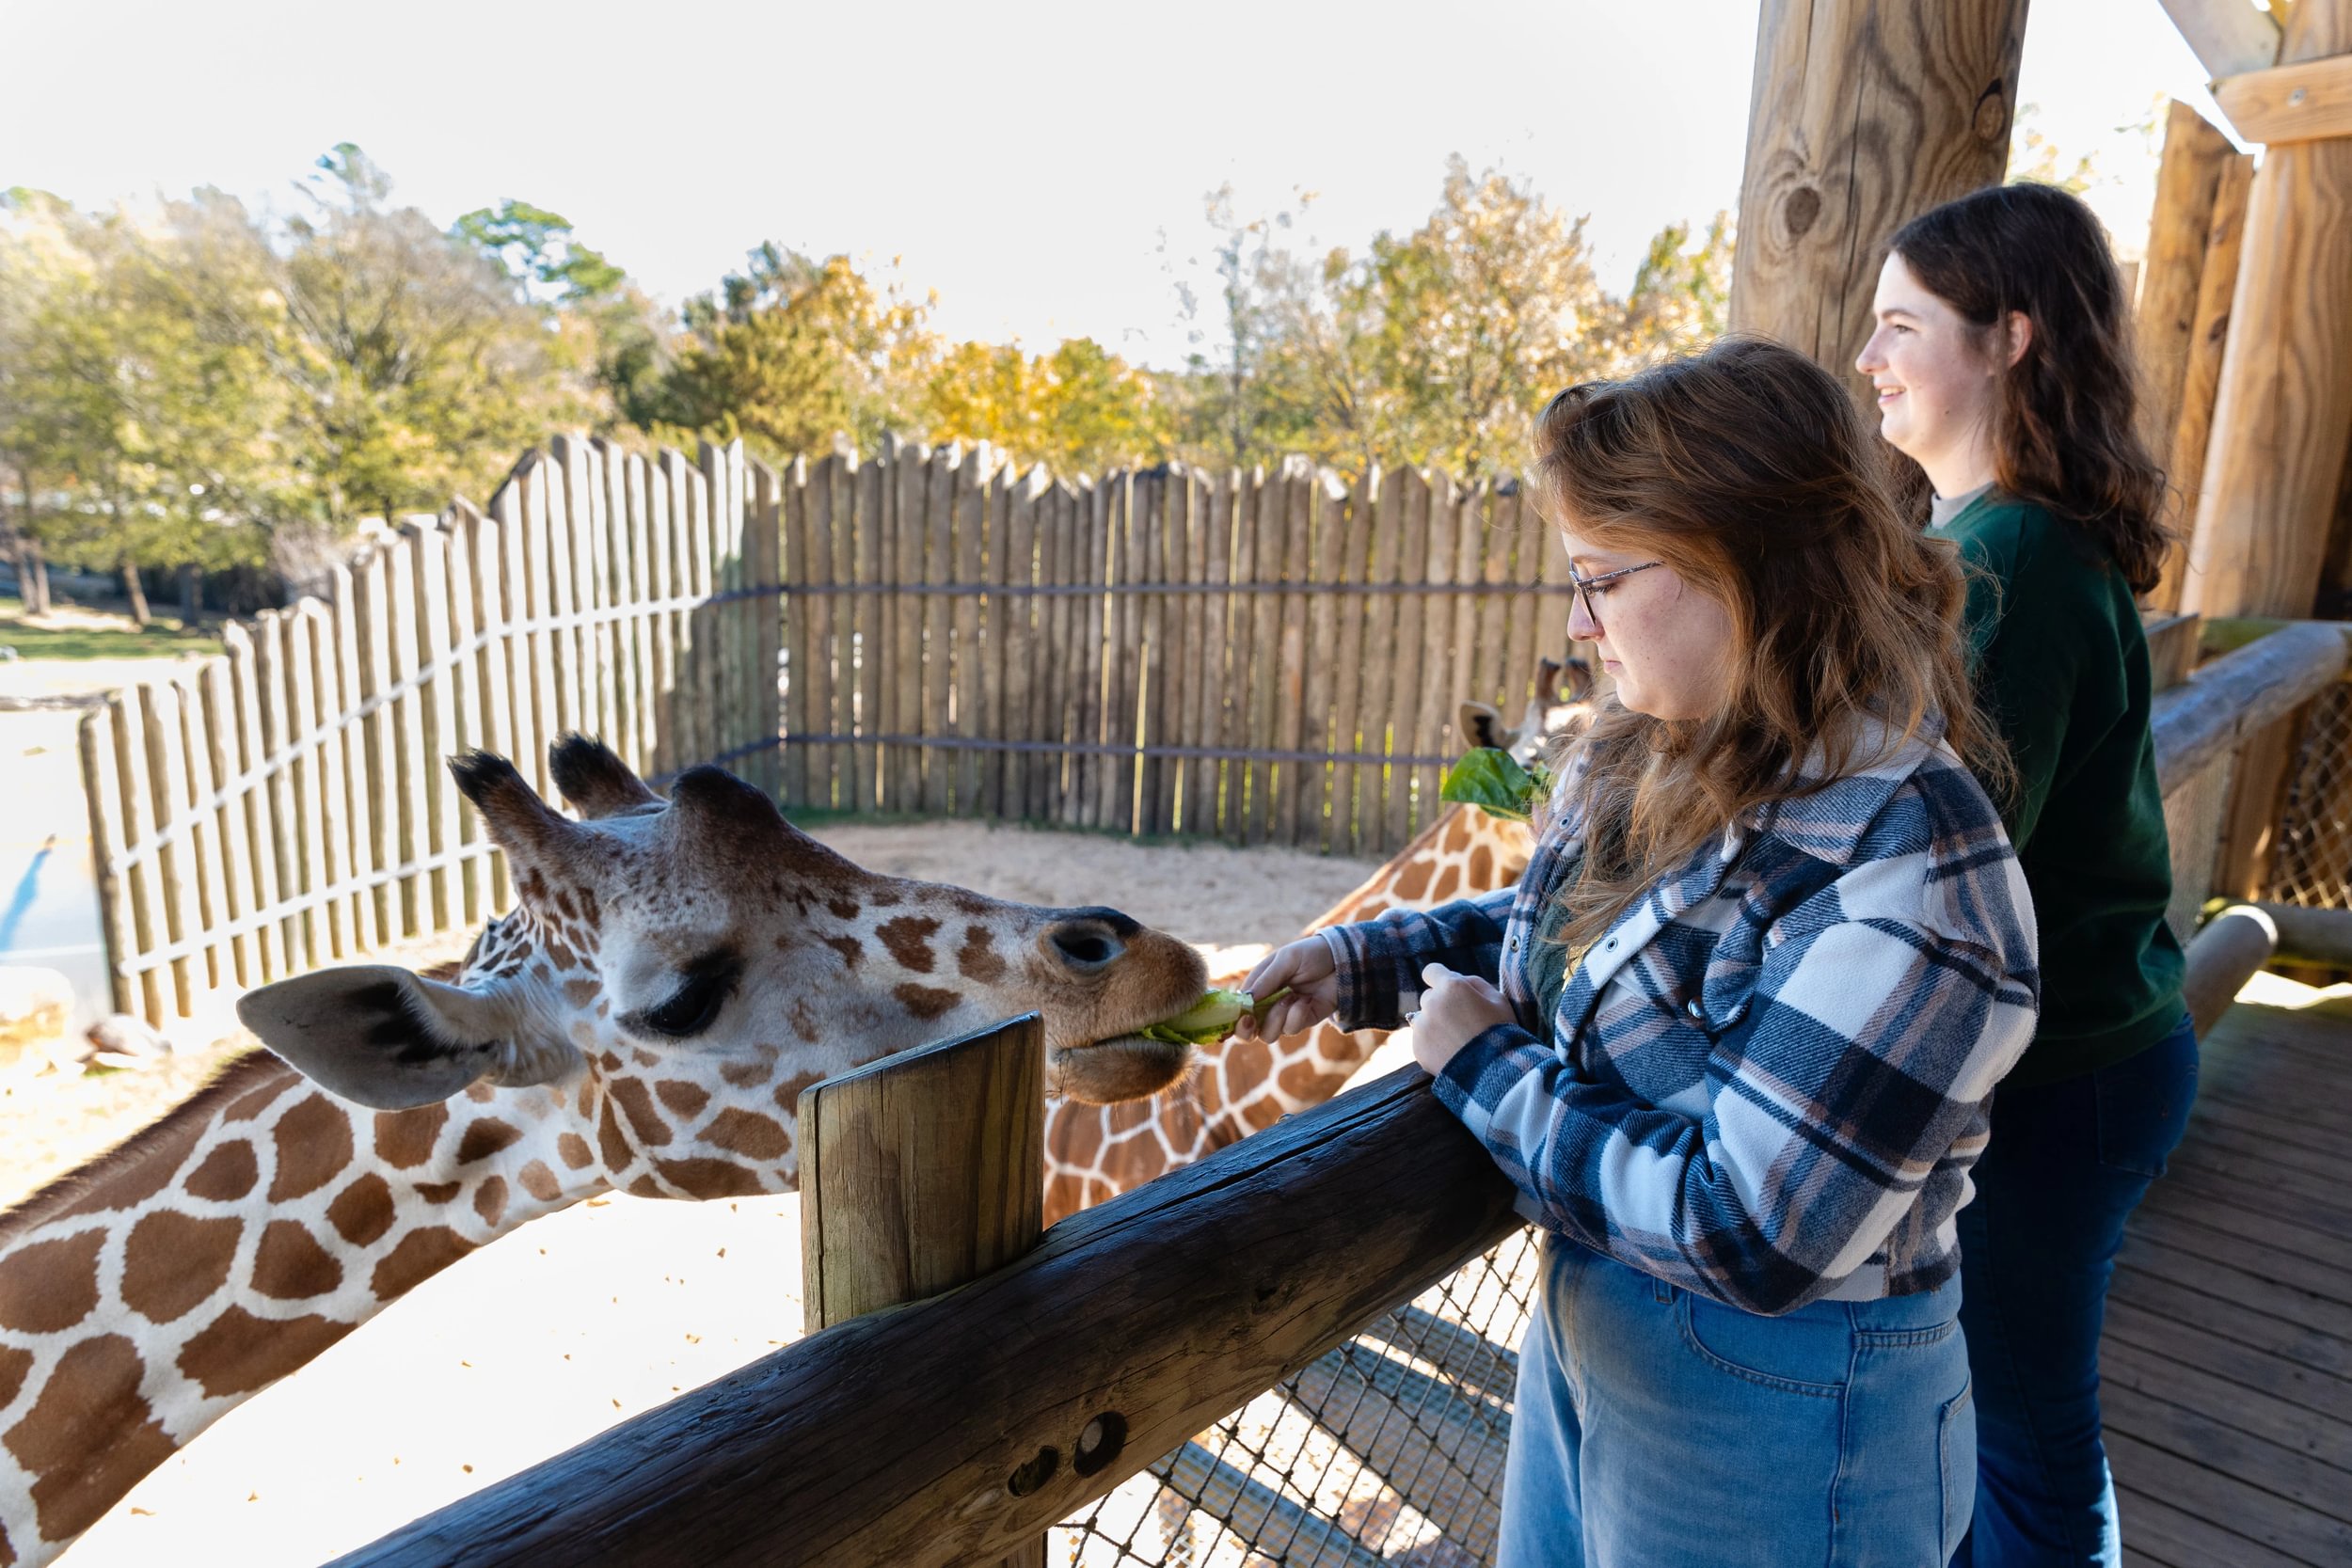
[1085,947]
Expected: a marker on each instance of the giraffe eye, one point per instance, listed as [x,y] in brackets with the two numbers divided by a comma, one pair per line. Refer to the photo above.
[692,1010]
[694,1005]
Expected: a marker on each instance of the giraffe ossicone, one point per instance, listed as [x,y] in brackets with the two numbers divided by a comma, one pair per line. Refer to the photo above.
[676,974]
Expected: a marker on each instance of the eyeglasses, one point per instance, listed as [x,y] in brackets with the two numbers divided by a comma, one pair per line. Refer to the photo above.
[1584,586]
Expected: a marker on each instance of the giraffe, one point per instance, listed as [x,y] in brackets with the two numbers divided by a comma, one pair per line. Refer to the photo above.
[1094,1152]
[675,974]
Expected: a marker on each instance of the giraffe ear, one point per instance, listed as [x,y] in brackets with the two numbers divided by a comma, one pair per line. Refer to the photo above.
[384,1038]
[1480,725]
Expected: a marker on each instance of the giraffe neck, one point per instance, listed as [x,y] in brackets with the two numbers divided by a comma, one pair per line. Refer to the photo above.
[149,1295]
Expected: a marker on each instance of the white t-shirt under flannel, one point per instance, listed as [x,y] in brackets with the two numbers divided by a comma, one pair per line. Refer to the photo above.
[1769,1078]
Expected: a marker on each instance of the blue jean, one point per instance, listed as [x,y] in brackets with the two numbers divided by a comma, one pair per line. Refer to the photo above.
[2067,1164]
[1657,1428]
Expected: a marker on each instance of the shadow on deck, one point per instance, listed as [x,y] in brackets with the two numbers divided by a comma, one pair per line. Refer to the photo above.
[2228,1357]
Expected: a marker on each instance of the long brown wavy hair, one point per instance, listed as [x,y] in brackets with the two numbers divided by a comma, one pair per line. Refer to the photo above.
[1747,469]
[2065,428]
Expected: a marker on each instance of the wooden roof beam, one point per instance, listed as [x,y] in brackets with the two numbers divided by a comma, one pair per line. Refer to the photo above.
[2310,101]
[2228,37]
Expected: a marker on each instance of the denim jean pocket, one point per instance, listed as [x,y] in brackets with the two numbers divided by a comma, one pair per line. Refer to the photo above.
[2142,1104]
[1956,1456]
[1804,1353]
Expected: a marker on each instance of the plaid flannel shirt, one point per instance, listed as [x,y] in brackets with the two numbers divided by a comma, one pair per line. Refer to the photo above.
[1766,1081]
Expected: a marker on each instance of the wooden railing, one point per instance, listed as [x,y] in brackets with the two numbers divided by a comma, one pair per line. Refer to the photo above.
[956,1429]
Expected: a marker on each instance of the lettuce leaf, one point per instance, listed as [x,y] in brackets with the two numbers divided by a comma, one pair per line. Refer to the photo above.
[1211,1018]
[1493,780]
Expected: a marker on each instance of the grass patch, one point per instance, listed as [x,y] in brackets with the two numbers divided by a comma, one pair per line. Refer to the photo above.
[162,638]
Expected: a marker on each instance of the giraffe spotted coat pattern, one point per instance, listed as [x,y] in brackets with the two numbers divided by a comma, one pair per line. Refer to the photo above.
[675,975]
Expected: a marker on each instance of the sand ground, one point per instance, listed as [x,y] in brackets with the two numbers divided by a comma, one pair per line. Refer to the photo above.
[533,1345]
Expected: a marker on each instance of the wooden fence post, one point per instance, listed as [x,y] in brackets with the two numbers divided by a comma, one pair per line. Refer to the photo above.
[101,792]
[922,1172]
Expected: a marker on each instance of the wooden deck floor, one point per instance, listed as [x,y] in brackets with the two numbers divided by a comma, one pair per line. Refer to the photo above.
[2228,1357]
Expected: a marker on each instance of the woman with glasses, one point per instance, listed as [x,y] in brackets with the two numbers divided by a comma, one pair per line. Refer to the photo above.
[1733,1034]
[2002,369]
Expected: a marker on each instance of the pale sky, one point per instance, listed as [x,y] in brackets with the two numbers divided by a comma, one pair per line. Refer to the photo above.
[1040,166]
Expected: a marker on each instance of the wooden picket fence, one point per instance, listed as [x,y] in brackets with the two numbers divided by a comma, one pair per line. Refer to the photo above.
[1270,658]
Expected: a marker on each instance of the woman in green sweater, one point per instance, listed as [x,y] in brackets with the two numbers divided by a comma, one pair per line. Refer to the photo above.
[2003,369]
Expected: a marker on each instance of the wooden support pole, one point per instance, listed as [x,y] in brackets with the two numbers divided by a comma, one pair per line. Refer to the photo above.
[2188,183]
[2200,378]
[1864,114]
[922,1172]
[2248,847]
[2171,650]
[2284,413]
[952,1430]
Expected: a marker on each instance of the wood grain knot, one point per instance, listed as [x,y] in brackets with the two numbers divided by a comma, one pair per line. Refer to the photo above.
[1800,210]
[1991,117]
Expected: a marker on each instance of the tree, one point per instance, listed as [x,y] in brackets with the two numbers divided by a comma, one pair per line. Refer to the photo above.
[190,385]
[791,351]
[1486,311]
[1080,409]
[117,399]
[602,320]
[1680,298]
[417,372]
[1433,347]
[1250,400]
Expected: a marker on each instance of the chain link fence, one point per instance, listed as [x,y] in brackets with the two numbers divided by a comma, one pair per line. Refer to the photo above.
[1387,1450]
[2312,864]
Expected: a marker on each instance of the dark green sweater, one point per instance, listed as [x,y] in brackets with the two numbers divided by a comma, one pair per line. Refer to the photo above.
[2063,666]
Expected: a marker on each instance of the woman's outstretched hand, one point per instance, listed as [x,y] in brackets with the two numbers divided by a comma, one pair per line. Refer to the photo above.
[1305,966]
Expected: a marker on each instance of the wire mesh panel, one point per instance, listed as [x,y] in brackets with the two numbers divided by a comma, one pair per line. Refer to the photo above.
[2312,864]
[1386,1450]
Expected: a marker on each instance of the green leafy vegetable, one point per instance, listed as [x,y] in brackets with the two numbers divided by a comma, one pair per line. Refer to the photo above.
[1211,1018]
[1493,780]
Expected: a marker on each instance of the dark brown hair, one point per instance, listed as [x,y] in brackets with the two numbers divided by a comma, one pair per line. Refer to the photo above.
[2065,433]
[1747,469]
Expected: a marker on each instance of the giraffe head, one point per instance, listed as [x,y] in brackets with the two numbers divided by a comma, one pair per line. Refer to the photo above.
[1560,705]
[677,971]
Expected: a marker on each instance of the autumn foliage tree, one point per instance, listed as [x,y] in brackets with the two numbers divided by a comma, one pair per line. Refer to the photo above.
[1438,345]
[192,384]
[195,382]
[1079,409]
